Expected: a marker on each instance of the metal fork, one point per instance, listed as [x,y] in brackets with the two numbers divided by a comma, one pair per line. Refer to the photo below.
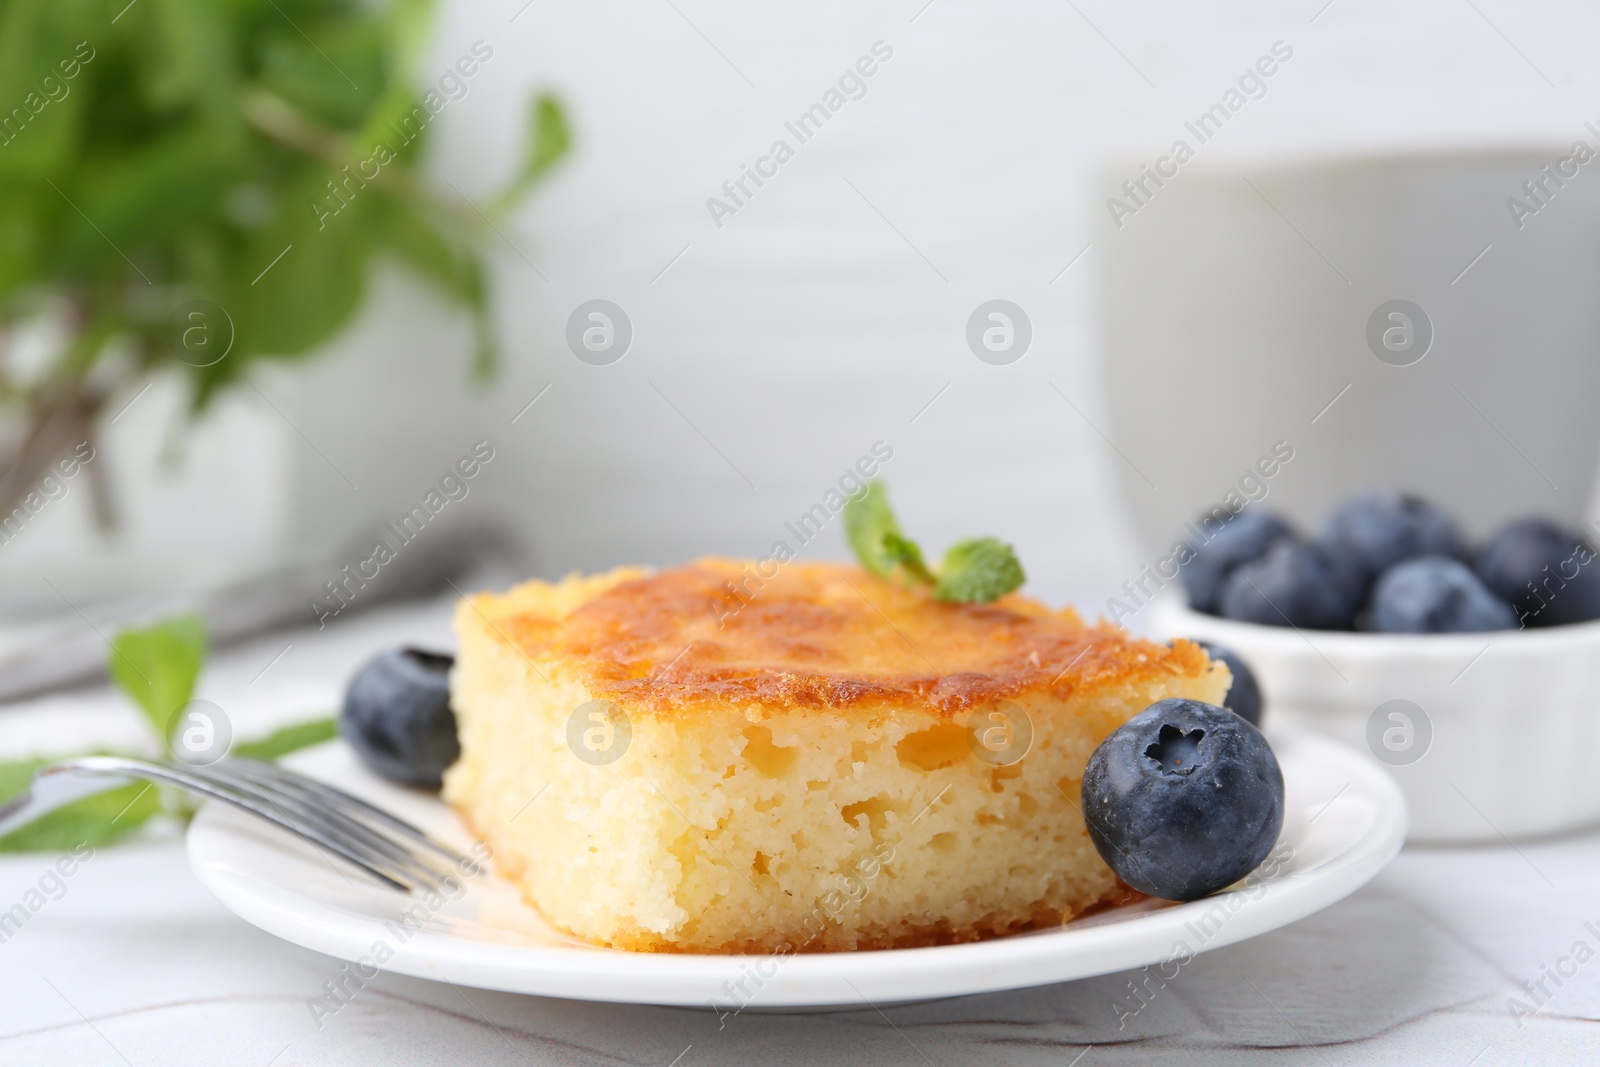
[377,843]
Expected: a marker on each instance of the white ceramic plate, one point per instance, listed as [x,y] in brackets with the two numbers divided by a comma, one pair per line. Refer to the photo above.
[1344,820]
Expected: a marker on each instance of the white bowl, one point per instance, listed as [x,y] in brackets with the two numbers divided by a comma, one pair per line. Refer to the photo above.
[1491,736]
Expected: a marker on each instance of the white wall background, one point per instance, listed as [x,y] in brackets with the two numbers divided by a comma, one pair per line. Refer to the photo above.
[831,309]
[807,327]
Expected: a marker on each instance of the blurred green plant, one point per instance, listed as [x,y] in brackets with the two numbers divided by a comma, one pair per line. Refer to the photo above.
[206,183]
[156,668]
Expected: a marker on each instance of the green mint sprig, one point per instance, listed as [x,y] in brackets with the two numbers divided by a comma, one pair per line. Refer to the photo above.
[974,570]
[156,668]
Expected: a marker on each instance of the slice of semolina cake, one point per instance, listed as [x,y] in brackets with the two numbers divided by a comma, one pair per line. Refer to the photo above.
[704,760]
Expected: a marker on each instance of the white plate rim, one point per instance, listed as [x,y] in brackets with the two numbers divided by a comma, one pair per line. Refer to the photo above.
[817,980]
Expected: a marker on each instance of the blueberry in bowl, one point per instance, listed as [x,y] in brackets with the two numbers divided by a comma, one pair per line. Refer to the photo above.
[1377,528]
[1495,643]
[1183,800]
[1294,584]
[1435,595]
[1244,695]
[397,716]
[1241,538]
[1544,571]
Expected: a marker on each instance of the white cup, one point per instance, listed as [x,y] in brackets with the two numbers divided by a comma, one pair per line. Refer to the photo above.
[1249,301]
[1426,322]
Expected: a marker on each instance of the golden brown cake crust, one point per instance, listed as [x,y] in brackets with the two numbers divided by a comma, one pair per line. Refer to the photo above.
[826,636]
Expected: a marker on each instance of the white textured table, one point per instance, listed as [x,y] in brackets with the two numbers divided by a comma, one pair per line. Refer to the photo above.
[136,963]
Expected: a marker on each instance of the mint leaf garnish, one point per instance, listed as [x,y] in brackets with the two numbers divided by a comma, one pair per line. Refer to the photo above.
[978,569]
[157,668]
[908,555]
[868,526]
[975,570]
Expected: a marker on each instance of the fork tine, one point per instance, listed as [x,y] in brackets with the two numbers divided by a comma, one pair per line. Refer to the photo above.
[184,778]
[356,837]
[374,842]
[317,832]
[398,848]
[258,769]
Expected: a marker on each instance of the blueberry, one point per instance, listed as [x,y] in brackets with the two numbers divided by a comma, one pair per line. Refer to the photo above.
[397,716]
[1242,538]
[1244,696]
[1377,528]
[1545,572]
[1183,800]
[1294,584]
[1435,595]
